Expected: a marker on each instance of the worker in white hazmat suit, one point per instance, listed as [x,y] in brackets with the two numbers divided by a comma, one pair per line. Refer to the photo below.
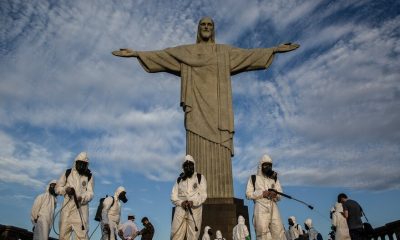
[188,195]
[218,235]
[267,220]
[111,214]
[76,185]
[312,233]
[339,223]
[295,230]
[207,233]
[240,231]
[42,214]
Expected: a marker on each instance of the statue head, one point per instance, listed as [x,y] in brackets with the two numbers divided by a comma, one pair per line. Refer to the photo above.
[205,30]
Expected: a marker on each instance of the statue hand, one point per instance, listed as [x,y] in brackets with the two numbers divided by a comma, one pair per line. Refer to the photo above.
[125,52]
[286,47]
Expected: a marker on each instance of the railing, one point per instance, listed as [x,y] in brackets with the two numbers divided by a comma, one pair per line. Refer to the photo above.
[387,231]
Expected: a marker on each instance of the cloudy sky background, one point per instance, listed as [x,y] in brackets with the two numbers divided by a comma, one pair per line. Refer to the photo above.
[328,113]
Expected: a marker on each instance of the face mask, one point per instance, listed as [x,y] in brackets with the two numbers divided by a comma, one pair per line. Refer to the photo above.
[188,169]
[122,197]
[210,232]
[306,227]
[267,169]
[291,223]
[81,167]
[52,190]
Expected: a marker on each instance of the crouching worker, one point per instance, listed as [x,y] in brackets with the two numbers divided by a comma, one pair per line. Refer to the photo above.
[111,214]
[76,185]
[42,213]
[267,220]
[188,195]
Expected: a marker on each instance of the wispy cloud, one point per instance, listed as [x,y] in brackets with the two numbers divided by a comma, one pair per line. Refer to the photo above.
[331,114]
[325,108]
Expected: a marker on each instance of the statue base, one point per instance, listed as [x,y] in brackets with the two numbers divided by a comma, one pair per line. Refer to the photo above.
[222,214]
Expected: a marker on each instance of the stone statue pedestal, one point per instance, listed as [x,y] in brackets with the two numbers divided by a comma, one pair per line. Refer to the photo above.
[222,214]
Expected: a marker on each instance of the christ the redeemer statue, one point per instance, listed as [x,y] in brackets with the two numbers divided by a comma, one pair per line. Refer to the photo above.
[205,69]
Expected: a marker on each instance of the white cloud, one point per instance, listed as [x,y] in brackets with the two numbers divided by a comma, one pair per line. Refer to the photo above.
[321,106]
[27,163]
[330,115]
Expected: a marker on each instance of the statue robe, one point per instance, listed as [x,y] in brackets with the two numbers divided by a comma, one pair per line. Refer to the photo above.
[206,98]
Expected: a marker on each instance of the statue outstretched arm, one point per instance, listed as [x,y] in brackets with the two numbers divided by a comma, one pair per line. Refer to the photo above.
[125,52]
[286,47]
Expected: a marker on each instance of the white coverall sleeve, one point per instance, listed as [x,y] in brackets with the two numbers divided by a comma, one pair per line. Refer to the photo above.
[88,195]
[174,196]
[106,207]
[61,185]
[300,229]
[251,193]
[334,219]
[37,204]
[201,196]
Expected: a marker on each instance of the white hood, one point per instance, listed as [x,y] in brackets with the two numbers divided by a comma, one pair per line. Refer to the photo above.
[218,235]
[190,159]
[293,219]
[338,207]
[264,159]
[83,156]
[241,220]
[308,222]
[118,191]
[48,185]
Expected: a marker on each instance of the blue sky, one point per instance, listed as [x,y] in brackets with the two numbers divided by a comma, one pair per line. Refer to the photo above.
[328,113]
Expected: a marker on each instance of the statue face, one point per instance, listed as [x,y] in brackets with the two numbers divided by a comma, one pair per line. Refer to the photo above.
[206,29]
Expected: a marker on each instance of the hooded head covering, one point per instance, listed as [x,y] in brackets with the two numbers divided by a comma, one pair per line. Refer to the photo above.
[48,185]
[264,159]
[206,235]
[119,190]
[241,220]
[308,222]
[83,156]
[293,219]
[218,234]
[190,159]
[338,207]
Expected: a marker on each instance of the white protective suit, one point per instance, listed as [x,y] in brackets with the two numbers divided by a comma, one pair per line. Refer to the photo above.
[111,214]
[267,220]
[42,214]
[70,219]
[191,190]
[295,231]
[340,222]
[240,231]
[129,230]
[218,235]
[206,236]
[312,232]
